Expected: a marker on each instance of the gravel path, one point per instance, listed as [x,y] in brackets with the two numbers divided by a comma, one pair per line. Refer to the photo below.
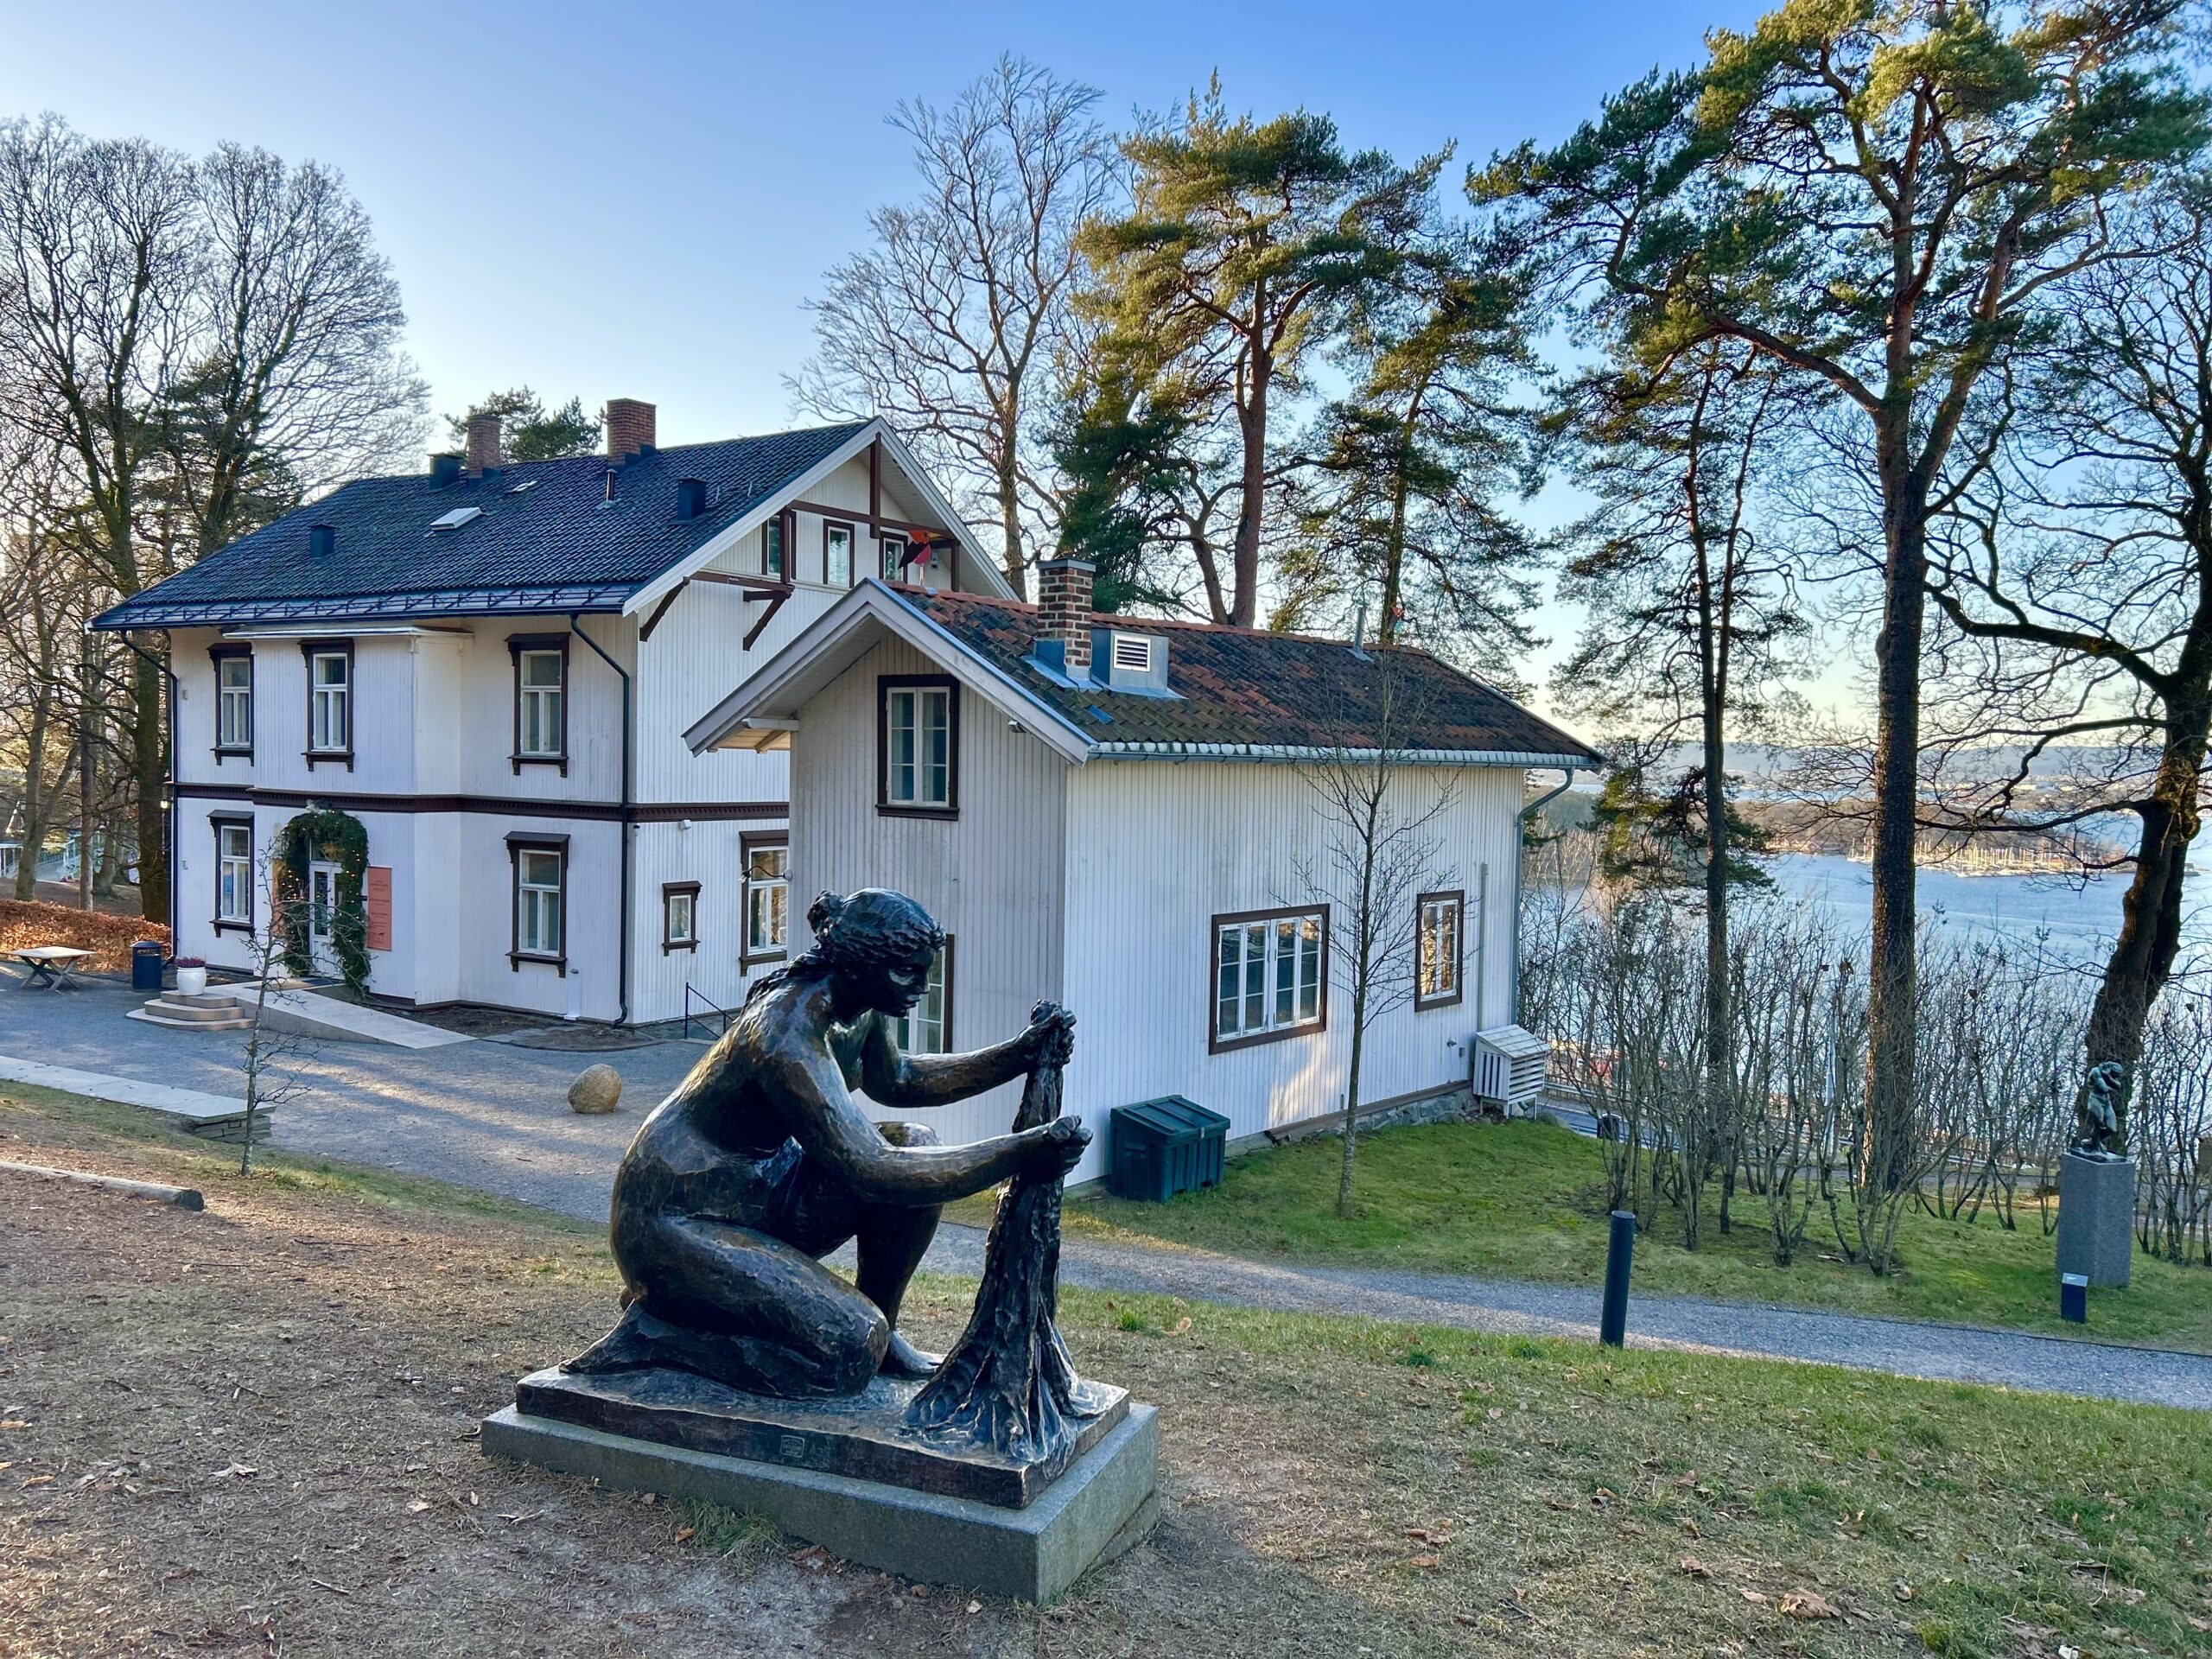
[495,1117]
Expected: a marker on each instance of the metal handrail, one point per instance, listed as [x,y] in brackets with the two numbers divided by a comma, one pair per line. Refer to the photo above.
[691,991]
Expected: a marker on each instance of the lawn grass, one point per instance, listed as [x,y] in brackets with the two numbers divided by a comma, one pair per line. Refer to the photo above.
[254,1427]
[1525,1200]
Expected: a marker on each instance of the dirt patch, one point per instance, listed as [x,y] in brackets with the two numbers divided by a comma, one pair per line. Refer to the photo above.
[252,1431]
[23,926]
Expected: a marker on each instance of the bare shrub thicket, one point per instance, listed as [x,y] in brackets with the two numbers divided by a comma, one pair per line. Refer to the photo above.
[1618,985]
[2171,1130]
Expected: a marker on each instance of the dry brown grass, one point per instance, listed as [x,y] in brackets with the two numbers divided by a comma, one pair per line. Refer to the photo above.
[24,926]
[252,1431]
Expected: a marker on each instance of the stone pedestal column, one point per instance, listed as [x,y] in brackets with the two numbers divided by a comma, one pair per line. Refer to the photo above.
[2096,1217]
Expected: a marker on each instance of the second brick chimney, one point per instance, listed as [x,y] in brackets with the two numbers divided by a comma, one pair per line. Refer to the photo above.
[1064,616]
[484,454]
[629,429]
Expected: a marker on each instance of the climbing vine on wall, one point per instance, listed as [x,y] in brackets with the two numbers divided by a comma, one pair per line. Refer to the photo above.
[327,835]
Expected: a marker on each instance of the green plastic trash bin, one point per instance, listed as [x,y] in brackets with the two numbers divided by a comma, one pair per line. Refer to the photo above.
[1165,1146]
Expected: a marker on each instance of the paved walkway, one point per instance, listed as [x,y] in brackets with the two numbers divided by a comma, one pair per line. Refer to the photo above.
[495,1117]
[484,1115]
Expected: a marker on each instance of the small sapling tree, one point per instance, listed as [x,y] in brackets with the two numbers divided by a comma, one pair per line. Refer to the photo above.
[1378,854]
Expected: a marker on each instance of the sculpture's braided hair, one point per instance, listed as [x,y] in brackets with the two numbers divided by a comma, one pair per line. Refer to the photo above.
[871,927]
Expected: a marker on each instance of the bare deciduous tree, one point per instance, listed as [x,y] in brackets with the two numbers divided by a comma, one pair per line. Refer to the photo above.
[954,326]
[1377,810]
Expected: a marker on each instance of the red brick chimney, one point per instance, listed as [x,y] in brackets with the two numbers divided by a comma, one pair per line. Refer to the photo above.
[1064,614]
[629,429]
[484,443]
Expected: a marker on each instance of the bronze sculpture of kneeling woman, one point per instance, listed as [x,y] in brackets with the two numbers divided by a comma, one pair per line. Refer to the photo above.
[760,1163]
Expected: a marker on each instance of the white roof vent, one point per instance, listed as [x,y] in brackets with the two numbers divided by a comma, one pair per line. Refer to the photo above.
[1132,654]
[1129,661]
[455,519]
[527,484]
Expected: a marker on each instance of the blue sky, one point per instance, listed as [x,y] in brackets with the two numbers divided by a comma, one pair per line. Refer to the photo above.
[609,202]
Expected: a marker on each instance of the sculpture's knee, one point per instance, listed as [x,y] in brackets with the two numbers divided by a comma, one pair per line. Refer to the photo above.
[908,1134]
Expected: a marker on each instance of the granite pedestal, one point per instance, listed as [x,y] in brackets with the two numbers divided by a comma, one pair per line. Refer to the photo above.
[850,1475]
[2096,1217]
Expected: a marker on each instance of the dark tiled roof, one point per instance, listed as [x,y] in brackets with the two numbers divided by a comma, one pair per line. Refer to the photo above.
[1246,688]
[557,546]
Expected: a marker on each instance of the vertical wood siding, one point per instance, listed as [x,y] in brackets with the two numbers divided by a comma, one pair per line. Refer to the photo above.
[992,878]
[1157,849]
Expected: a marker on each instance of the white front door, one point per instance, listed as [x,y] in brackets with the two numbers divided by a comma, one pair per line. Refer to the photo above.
[322,910]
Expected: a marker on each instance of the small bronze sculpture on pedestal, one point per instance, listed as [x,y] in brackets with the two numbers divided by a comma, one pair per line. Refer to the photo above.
[2098,1130]
[761,1162]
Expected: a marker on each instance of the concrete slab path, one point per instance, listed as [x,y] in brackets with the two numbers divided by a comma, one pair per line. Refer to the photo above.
[495,1117]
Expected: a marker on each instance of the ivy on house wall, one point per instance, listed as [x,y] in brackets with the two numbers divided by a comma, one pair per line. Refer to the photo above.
[330,836]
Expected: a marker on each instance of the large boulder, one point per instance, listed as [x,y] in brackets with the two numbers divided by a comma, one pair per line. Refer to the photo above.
[597,1088]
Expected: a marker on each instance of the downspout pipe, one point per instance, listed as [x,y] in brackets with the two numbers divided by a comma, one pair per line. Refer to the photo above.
[1534,807]
[622,957]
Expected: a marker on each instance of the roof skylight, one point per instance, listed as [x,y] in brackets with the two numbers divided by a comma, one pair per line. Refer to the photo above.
[455,519]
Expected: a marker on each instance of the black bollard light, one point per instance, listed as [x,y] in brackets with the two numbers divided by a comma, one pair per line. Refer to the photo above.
[2073,1298]
[1620,1252]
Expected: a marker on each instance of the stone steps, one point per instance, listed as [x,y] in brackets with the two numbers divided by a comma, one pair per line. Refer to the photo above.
[209,1011]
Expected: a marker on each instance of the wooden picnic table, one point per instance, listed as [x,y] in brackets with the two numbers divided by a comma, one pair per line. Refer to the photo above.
[52,965]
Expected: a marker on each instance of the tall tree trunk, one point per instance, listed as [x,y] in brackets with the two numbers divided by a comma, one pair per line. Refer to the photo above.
[2151,916]
[1894,983]
[36,801]
[1015,554]
[149,769]
[1252,425]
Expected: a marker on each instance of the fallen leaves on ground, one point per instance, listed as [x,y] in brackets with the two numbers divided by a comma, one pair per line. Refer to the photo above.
[1808,1604]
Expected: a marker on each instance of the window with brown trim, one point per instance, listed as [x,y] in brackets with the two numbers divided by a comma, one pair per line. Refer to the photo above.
[541,727]
[234,701]
[233,873]
[766,899]
[1440,948]
[330,700]
[837,554]
[1269,978]
[539,930]
[918,745]
[776,547]
[679,916]
[926,1028]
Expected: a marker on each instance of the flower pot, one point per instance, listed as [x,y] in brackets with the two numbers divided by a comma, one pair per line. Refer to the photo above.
[190,982]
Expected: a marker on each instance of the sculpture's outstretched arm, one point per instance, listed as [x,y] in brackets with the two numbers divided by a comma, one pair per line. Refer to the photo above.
[893,1078]
[821,1115]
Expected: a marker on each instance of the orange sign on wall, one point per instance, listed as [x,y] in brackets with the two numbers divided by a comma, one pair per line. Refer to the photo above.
[375,899]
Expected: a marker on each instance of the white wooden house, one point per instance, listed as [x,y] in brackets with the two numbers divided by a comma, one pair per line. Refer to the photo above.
[491,667]
[1111,813]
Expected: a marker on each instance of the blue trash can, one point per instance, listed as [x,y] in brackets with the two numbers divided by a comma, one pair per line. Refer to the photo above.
[148,958]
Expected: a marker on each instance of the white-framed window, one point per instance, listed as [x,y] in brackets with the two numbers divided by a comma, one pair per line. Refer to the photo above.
[926,1028]
[234,701]
[537,901]
[772,551]
[767,898]
[1441,949]
[679,916]
[919,757]
[837,555]
[330,692]
[234,874]
[1269,973]
[894,557]
[540,714]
